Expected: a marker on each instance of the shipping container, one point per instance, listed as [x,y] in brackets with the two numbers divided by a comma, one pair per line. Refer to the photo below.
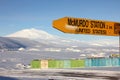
[119,61]
[102,62]
[93,62]
[56,64]
[44,64]
[98,62]
[35,64]
[115,62]
[88,62]
[59,63]
[67,64]
[77,63]
[108,62]
[51,63]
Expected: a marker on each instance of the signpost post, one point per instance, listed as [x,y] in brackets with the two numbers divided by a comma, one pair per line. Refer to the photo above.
[119,43]
[88,26]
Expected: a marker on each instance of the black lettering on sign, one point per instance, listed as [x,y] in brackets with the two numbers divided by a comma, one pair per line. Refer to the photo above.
[106,26]
[78,22]
[117,28]
[101,32]
[110,27]
[71,21]
[97,24]
[82,30]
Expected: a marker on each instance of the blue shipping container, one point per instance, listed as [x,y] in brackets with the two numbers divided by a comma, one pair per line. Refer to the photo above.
[67,64]
[88,62]
[115,62]
[102,62]
[108,62]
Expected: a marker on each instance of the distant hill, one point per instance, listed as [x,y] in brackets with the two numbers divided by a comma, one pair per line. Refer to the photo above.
[8,43]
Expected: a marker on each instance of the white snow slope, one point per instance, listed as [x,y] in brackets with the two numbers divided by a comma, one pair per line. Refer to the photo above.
[42,36]
[31,34]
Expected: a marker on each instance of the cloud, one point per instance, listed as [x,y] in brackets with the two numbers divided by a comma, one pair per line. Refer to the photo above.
[105,42]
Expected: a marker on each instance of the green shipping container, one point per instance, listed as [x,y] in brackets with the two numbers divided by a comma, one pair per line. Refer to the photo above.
[77,63]
[67,64]
[35,64]
[51,63]
[56,64]
[59,63]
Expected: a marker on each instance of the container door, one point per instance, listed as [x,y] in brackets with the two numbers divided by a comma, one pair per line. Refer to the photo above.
[44,64]
[67,64]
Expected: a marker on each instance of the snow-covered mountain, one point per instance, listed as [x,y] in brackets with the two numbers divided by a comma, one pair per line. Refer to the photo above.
[42,37]
[31,34]
[39,36]
[48,39]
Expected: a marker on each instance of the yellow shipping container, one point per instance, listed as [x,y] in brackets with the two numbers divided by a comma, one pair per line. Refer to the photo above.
[44,64]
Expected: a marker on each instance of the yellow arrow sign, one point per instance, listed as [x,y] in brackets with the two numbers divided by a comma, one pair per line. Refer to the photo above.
[87,26]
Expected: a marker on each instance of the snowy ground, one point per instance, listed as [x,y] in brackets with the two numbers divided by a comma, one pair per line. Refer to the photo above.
[61,74]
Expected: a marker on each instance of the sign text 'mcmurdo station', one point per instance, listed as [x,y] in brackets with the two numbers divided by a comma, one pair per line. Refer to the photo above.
[87,26]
